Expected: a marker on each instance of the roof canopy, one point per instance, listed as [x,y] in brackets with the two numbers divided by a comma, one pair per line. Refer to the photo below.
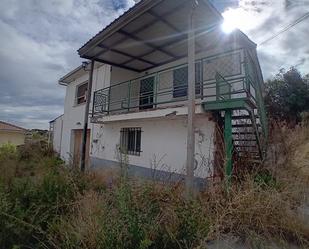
[152,33]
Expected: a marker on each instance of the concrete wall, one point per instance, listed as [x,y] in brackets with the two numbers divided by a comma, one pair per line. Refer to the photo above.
[163,144]
[57,134]
[16,138]
[73,117]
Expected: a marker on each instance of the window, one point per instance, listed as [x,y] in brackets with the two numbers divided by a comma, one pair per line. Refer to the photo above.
[180,82]
[81,93]
[146,93]
[130,141]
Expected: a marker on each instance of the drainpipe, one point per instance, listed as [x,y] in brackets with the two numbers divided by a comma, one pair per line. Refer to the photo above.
[86,117]
[191,103]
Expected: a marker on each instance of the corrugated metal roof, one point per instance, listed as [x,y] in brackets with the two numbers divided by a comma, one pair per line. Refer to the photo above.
[110,24]
[152,33]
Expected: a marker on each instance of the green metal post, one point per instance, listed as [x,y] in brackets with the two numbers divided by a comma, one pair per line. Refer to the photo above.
[228,144]
[109,100]
[129,95]
[156,82]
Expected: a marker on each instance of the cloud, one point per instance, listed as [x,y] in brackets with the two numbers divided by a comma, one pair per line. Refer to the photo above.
[38,41]
[262,19]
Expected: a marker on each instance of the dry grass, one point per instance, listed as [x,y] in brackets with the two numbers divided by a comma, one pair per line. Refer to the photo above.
[104,210]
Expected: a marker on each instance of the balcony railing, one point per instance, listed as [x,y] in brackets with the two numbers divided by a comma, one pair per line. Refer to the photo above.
[224,76]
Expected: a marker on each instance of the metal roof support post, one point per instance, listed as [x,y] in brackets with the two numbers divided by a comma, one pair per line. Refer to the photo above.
[86,117]
[191,103]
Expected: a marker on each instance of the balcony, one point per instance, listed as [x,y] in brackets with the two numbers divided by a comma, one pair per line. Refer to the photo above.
[220,78]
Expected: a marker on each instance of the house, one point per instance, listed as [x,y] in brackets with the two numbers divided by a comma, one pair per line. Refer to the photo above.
[10,133]
[67,129]
[139,100]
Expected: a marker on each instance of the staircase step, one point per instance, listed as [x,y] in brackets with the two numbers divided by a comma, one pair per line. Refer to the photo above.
[240,117]
[241,125]
[252,145]
[244,140]
[252,154]
[245,146]
[243,133]
[242,149]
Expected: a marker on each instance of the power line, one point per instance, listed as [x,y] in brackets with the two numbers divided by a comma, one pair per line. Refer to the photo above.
[291,25]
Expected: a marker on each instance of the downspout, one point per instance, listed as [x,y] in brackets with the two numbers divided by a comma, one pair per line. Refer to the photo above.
[86,117]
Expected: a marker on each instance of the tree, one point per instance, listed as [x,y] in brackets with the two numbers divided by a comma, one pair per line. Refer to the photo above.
[287,95]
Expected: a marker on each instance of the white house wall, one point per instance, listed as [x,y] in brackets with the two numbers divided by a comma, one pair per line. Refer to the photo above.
[163,144]
[74,114]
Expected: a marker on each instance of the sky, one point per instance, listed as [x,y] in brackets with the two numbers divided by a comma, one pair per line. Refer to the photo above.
[39,39]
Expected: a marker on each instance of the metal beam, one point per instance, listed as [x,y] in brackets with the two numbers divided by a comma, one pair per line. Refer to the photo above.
[126,54]
[149,44]
[144,27]
[115,64]
[197,33]
[182,35]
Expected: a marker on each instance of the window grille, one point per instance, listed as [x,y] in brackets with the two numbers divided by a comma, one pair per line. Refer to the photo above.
[81,93]
[130,141]
[180,82]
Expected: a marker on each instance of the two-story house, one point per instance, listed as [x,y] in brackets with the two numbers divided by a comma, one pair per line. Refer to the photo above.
[139,104]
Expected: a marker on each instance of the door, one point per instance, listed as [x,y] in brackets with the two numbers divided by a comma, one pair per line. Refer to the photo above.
[78,138]
[146,93]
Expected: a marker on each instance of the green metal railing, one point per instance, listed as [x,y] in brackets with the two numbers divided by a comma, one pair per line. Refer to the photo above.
[225,76]
[254,81]
[170,85]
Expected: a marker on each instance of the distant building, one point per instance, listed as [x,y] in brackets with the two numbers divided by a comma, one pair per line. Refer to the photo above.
[10,133]
[55,137]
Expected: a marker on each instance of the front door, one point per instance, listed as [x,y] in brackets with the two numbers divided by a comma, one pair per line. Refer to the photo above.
[78,138]
[146,93]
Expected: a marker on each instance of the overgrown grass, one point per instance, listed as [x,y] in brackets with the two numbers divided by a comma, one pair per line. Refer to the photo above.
[46,205]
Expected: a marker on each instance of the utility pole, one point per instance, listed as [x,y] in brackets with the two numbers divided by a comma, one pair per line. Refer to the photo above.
[84,142]
[191,103]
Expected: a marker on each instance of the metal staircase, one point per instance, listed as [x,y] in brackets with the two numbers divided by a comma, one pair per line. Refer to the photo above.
[245,129]
[247,135]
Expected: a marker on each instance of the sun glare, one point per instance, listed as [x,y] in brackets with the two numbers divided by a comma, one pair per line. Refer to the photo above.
[237,18]
[227,27]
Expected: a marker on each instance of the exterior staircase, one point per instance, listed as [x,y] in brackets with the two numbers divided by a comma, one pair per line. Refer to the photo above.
[245,128]
[247,135]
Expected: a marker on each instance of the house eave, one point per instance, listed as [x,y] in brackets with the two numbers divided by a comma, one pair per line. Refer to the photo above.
[65,80]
